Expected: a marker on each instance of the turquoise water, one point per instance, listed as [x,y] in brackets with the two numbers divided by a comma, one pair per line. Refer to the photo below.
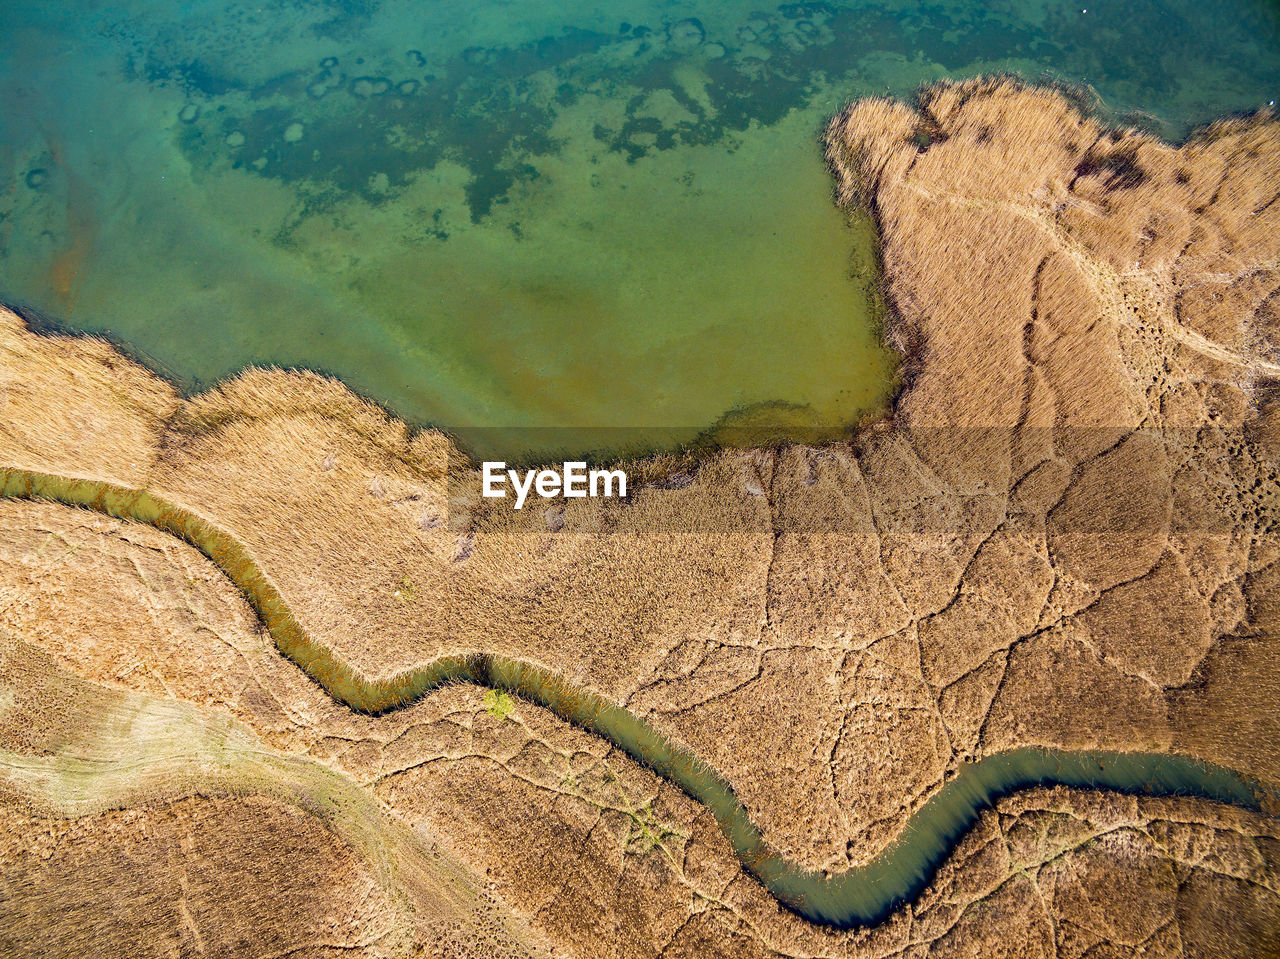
[508,218]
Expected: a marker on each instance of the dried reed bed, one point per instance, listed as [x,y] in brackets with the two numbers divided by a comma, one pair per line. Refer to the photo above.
[75,751]
[834,630]
[198,875]
[1068,284]
[77,406]
[545,807]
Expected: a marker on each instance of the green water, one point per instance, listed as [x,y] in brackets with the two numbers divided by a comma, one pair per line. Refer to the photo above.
[509,220]
[861,896]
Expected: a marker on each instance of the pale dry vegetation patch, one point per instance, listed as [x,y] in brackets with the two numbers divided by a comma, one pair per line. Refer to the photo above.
[190,877]
[77,407]
[72,752]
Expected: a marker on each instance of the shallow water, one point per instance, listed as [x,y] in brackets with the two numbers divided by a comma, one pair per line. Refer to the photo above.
[511,219]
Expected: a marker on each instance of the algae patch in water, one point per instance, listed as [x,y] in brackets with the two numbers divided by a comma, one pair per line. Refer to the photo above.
[502,224]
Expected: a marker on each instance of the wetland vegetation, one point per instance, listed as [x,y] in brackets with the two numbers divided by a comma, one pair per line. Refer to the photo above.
[859,896]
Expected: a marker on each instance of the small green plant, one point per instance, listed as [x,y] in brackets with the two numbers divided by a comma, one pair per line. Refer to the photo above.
[646,833]
[498,704]
[407,591]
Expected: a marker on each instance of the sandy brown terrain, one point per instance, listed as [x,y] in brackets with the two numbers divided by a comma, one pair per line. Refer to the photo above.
[1063,536]
[142,825]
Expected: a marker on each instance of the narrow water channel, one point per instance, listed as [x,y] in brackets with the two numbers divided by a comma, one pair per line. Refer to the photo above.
[860,896]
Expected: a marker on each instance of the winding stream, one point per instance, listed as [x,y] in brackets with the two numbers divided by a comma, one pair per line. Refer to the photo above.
[860,896]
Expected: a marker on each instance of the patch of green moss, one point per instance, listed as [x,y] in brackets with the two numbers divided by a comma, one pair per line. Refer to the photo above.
[498,704]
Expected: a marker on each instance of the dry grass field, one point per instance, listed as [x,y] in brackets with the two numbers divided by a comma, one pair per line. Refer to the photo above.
[586,849]
[148,824]
[1063,536]
[212,876]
